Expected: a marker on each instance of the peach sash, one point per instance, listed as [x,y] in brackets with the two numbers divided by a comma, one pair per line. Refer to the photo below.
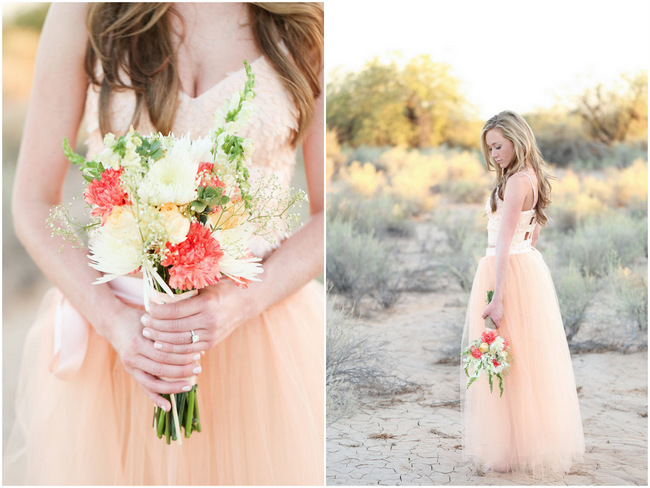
[71,329]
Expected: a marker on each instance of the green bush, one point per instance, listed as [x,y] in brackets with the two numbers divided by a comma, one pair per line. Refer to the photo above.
[466,243]
[597,244]
[359,266]
[631,291]
[379,215]
[574,293]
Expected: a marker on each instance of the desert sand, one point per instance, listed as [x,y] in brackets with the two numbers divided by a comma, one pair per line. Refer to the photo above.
[415,438]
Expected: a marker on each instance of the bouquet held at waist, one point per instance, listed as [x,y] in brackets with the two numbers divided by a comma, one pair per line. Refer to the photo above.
[182,212]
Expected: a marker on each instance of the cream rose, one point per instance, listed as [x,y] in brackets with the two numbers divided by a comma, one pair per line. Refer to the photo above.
[176,224]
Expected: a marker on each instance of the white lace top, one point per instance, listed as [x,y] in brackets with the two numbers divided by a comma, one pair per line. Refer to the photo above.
[271,129]
[522,239]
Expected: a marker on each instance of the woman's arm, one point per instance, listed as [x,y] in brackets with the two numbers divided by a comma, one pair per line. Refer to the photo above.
[55,111]
[514,197]
[219,309]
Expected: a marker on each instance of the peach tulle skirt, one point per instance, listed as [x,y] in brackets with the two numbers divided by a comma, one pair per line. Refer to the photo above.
[260,396]
[535,427]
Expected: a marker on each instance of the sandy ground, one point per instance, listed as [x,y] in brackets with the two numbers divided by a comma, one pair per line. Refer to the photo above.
[414,438]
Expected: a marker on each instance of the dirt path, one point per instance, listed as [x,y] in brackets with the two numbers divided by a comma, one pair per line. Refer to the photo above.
[414,439]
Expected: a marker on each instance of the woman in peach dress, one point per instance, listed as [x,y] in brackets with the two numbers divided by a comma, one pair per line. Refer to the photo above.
[535,427]
[84,414]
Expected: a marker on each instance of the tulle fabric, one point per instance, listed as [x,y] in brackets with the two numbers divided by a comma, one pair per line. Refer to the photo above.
[535,427]
[260,400]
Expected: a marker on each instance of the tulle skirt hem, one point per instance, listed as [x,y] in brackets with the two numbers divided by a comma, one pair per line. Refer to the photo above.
[535,427]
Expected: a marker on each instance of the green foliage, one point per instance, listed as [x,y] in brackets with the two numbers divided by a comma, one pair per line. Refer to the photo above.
[32,17]
[616,113]
[464,242]
[597,244]
[359,266]
[90,170]
[631,292]
[415,104]
[574,293]
[379,215]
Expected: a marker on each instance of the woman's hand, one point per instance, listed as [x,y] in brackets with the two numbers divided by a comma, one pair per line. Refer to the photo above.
[145,363]
[494,310]
[212,315]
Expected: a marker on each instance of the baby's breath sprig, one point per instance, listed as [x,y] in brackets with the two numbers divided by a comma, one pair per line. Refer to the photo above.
[67,227]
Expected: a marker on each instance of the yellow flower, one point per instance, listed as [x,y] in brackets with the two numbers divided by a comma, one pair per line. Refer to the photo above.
[121,224]
[233,216]
[485,347]
[176,224]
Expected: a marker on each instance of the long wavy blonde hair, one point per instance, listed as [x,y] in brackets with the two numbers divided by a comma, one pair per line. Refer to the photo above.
[135,40]
[526,152]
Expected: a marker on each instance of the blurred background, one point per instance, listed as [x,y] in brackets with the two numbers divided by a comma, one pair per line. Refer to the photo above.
[409,88]
[23,283]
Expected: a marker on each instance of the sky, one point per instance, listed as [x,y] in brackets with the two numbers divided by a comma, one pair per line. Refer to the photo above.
[508,54]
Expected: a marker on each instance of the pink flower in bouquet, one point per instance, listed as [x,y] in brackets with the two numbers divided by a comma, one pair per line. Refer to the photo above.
[106,193]
[476,352]
[505,344]
[496,363]
[195,261]
[488,336]
[206,177]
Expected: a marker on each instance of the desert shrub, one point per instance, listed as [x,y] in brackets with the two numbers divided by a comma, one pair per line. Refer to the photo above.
[594,246]
[354,362]
[466,243]
[630,186]
[467,191]
[379,215]
[334,158]
[364,179]
[364,154]
[359,265]
[631,292]
[574,293]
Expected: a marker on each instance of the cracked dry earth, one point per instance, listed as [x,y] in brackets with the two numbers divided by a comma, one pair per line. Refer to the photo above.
[414,438]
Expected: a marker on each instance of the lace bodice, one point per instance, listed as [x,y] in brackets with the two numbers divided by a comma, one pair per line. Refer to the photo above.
[522,239]
[271,129]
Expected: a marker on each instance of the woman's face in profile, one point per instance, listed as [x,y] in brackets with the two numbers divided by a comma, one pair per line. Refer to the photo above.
[501,149]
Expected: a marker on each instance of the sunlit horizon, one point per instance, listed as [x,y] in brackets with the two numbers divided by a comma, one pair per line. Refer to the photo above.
[501,61]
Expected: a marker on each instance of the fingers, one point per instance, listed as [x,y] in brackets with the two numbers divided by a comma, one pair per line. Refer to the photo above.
[183,324]
[197,347]
[173,337]
[154,387]
[167,370]
[176,310]
[166,357]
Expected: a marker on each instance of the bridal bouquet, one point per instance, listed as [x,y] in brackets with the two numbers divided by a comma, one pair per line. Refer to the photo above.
[489,354]
[180,211]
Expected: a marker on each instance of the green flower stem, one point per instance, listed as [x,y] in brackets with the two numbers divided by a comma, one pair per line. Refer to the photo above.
[197,420]
[161,422]
[190,409]
[168,422]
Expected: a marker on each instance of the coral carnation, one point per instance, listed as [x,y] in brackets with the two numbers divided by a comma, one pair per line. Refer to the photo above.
[488,336]
[476,352]
[106,193]
[205,176]
[195,261]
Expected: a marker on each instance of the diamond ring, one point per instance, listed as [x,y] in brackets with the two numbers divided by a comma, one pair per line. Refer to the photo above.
[195,338]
